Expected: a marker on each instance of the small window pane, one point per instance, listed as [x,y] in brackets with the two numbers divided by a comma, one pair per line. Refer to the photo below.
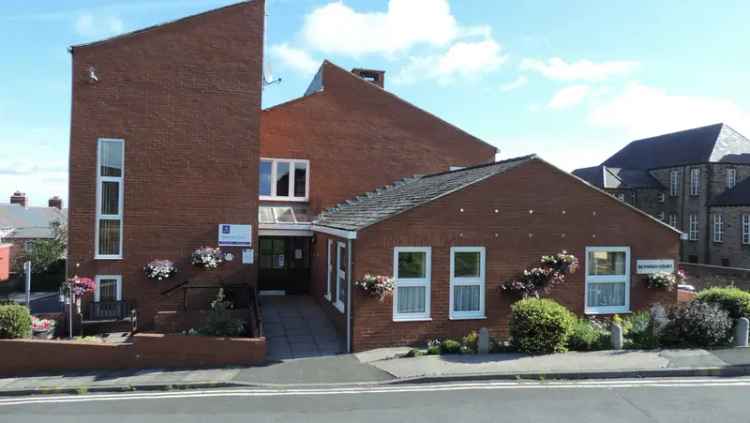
[282,179]
[411,299]
[110,198]
[265,177]
[300,179]
[108,290]
[606,294]
[111,158]
[466,298]
[467,264]
[265,215]
[411,265]
[342,259]
[109,237]
[603,263]
[284,215]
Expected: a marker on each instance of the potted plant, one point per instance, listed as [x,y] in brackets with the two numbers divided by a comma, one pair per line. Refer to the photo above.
[665,280]
[207,258]
[42,328]
[160,269]
[376,285]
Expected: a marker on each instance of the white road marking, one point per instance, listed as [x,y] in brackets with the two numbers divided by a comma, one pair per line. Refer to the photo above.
[242,392]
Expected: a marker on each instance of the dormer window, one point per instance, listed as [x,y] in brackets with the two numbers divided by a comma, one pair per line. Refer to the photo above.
[284,179]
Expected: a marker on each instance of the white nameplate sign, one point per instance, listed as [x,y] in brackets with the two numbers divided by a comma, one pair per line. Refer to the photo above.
[647,267]
[235,235]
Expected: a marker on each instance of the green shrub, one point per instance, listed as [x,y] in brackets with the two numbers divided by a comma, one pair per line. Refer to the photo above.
[640,335]
[588,335]
[539,326]
[696,324]
[735,301]
[500,346]
[470,343]
[15,322]
[450,346]
[220,321]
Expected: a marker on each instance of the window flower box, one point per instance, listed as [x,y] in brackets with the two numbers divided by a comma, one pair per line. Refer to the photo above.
[665,280]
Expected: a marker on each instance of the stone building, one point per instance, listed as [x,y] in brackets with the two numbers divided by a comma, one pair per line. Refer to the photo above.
[695,180]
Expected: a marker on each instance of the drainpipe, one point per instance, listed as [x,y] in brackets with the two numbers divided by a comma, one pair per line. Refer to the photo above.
[349,296]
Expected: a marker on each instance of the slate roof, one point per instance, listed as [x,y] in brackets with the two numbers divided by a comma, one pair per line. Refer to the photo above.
[407,194]
[707,144]
[612,177]
[32,222]
[737,196]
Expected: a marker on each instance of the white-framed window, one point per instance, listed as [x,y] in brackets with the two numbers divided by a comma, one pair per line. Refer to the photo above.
[329,274]
[108,288]
[695,181]
[674,183]
[746,229]
[731,177]
[718,228]
[661,216]
[412,267]
[661,197]
[110,174]
[673,220]
[284,179]
[341,270]
[467,283]
[607,280]
[693,227]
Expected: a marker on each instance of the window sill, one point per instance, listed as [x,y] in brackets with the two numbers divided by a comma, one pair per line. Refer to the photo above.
[412,319]
[607,311]
[339,306]
[476,317]
[107,257]
[284,199]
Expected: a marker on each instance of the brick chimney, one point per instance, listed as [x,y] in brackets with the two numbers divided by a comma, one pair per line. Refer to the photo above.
[20,198]
[55,202]
[377,77]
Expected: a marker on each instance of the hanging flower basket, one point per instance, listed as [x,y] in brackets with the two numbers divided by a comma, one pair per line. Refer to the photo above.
[553,270]
[376,285]
[207,258]
[160,270]
[77,287]
[665,280]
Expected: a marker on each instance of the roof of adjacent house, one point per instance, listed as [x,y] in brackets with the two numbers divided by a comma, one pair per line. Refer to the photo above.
[17,221]
[407,194]
[616,178]
[707,144]
[737,196]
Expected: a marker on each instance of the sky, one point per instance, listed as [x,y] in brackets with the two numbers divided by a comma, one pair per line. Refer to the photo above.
[572,80]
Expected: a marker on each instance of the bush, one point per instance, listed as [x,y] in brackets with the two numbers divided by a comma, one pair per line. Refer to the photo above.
[696,324]
[640,334]
[588,335]
[733,300]
[470,343]
[15,322]
[450,346]
[220,321]
[540,326]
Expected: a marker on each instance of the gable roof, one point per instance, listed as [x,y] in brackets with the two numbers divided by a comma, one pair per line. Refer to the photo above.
[707,144]
[33,222]
[318,86]
[737,196]
[408,193]
[616,178]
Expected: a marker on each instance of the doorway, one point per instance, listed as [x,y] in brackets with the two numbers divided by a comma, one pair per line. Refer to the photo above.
[284,264]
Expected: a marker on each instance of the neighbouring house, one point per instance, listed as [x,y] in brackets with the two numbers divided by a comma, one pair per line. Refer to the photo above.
[170,151]
[22,224]
[695,180]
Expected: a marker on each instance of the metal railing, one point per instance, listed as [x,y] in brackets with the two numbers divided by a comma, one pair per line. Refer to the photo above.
[107,310]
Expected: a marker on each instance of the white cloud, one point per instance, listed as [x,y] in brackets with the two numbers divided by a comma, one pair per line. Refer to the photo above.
[569,97]
[514,84]
[295,58]
[643,111]
[582,70]
[462,60]
[338,29]
[89,25]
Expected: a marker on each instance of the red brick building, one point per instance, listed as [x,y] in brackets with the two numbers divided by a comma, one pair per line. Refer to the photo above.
[168,143]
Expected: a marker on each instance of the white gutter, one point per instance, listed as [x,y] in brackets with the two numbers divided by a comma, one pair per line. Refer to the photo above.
[341,233]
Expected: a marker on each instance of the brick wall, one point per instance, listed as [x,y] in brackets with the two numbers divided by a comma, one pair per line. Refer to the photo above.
[703,276]
[567,215]
[185,97]
[359,137]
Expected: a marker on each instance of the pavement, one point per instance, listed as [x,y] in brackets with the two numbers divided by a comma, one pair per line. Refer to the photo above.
[612,401]
[380,367]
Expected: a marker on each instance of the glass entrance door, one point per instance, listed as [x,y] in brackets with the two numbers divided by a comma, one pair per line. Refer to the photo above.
[284,264]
